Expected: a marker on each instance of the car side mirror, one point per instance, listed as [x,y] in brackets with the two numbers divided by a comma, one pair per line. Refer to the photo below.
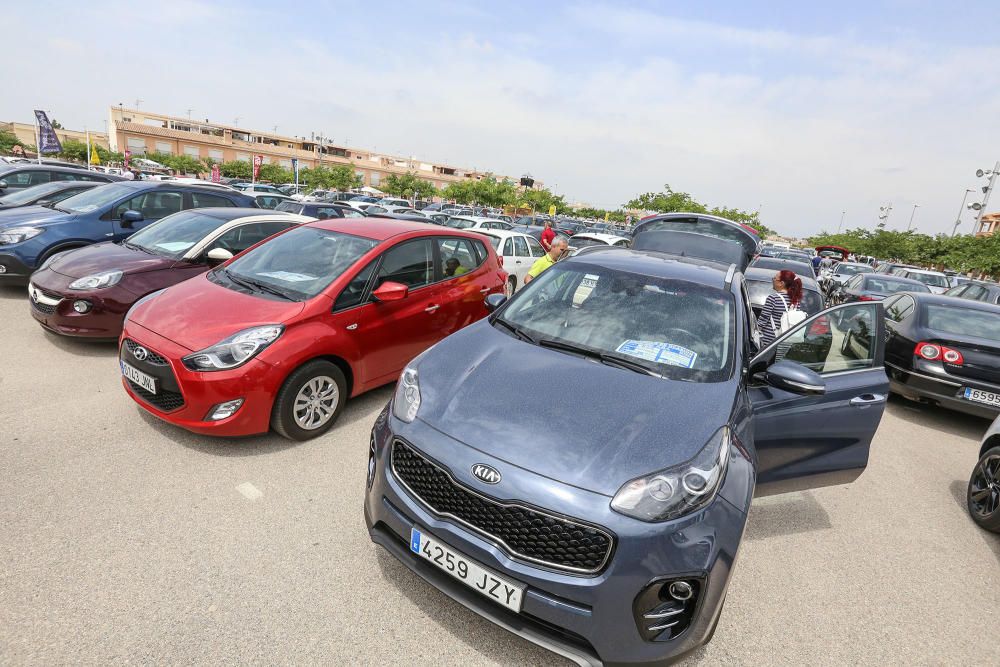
[391,291]
[795,378]
[131,217]
[3,185]
[494,301]
[218,256]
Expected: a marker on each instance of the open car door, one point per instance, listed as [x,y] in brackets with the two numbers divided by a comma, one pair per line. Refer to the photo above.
[815,428]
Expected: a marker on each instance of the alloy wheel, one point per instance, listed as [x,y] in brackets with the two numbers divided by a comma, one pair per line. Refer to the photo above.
[316,402]
[984,487]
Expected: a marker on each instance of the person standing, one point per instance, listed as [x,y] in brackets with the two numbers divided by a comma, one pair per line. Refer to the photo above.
[787,295]
[547,235]
[128,175]
[556,250]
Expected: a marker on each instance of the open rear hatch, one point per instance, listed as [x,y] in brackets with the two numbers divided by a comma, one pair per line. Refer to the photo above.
[703,236]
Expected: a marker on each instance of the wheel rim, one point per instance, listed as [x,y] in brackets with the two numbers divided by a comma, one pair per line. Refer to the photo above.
[984,487]
[316,402]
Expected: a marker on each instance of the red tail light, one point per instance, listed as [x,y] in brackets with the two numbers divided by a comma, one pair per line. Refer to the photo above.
[935,352]
[500,257]
[865,297]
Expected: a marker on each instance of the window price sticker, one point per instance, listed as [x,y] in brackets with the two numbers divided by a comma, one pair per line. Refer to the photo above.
[661,353]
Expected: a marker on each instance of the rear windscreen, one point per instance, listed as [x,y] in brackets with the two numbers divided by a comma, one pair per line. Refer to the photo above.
[964,322]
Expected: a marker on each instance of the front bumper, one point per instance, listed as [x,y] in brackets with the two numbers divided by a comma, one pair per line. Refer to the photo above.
[921,385]
[103,320]
[13,271]
[256,382]
[590,619]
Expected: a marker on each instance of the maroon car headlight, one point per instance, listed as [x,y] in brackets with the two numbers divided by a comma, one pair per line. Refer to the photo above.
[97,280]
[677,491]
[235,350]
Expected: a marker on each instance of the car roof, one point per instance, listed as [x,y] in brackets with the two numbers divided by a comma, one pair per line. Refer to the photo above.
[234,213]
[926,272]
[759,275]
[380,228]
[889,276]
[657,264]
[599,236]
[34,166]
[942,300]
[502,233]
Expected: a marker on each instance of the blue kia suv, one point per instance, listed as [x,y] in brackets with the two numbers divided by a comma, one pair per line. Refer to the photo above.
[578,467]
[31,235]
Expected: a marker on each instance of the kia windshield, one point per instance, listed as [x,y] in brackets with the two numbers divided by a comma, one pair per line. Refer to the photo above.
[97,198]
[296,265]
[175,234]
[657,326]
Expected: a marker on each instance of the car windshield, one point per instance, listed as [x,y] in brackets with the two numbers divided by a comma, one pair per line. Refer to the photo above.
[97,198]
[851,269]
[300,263]
[494,241]
[889,286]
[963,321]
[175,234]
[459,223]
[932,279]
[33,193]
[676,329]
[583,242]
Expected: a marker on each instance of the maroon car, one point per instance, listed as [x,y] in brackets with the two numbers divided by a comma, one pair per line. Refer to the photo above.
[87,292]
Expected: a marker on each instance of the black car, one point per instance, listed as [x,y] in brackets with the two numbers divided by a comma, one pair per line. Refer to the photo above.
[319,210]
[14,177]
[45,193]
[799,268]
[889,267]
[944,350]
[874,287]
[977,290]
[759,284]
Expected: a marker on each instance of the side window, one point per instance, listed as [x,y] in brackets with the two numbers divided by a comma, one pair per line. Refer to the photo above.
[410,263]
[536,248]
[89,177]
[458,256]
[289,207]
[355,290]
[205,200]
[900,308]
[977,292]
[238,239]
[350,213]
[508,248]
[854,282]
[64,176]
[843,339]
[751,320]
[520,247]
[153,205]
[39,177]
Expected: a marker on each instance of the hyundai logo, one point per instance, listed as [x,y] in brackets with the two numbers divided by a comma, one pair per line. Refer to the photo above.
[140,353]
[487,474]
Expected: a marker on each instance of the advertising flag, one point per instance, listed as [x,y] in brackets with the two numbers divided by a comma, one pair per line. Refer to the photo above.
[48,142]
[128,156]
[94,157]
[257,161]
[216,176]
[552,209]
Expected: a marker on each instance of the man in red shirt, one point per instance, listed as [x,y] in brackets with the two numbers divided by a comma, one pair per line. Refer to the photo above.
[547,235]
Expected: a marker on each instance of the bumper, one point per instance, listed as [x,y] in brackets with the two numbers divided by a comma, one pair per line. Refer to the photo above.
[255,382]
[590,619]
[13,271]
[919,386]
[103,320]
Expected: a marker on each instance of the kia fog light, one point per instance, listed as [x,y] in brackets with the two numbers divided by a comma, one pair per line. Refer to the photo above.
[407,399]
[680,490]
[225,410]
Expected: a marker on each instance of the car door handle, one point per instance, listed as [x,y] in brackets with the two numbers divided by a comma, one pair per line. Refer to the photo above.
[868,399]
[431,309]
[110,234]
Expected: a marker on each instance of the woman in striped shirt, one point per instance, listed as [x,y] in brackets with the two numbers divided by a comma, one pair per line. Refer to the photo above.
[786,296]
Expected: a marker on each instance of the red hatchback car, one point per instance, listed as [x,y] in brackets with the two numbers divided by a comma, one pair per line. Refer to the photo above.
[280,336]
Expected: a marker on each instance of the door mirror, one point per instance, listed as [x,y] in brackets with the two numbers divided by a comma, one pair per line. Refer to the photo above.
[795,378]
[494,301]
[130,217]
[3,185]
[218,256]
[391,291]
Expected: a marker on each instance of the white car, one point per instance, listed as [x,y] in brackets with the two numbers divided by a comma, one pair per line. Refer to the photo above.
[586,239]
[936,281]
[517,251]
[386,202]
[404,210]
[476,223]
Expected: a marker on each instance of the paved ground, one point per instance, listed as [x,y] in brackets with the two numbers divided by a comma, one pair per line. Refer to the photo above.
[126,540]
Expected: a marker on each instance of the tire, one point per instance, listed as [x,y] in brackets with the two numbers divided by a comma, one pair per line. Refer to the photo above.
[983,496]
[319,388]
[510,286]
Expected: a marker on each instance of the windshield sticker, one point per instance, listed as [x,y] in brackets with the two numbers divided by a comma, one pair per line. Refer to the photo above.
[174,246]
[288,277]
[661,353]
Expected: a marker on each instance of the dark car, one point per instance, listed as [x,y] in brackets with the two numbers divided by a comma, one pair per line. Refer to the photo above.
[983,494]
[799,268]
[87,292]
[944,350]
[569,228]
[977,290]
[45,193]
[759,286]
[319,210]
[668,224]
[609,534]
[874,287]
[14,177]
[889,267]
[33,234]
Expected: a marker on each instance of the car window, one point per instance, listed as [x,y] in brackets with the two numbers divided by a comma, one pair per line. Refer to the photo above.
[153,205]
[347,212]
[751,319]
[977,292]
[520,247]
[354,292]
[268,201]
[535,247]
[956,290]
[25,178]
[508,247]
[410,263]
[458,256]
[238,239]
[900,308]
[854,282]
[205,200]
[289,207]
[91,177]
[963,321]
[843,339]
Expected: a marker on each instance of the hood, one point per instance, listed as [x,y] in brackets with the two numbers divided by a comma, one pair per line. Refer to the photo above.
[636,425]
[15,217]
[107,257]
[198,313]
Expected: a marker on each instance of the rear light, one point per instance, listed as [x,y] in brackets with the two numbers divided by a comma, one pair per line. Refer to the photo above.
[935,352]
[865,297]
[500,257]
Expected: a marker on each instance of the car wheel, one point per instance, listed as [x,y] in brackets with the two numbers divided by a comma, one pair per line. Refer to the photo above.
[510,286]
[309,401]
[984,491]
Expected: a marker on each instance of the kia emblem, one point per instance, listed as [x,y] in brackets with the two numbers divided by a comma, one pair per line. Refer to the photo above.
[140,353]
[486,474]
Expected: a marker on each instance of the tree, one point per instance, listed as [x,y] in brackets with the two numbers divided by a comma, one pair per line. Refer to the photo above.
[338,177]
[669,201]
[408,185]
[74,150]
[8,140]
[236,169]
[541,200]
[275,174]
[56,125]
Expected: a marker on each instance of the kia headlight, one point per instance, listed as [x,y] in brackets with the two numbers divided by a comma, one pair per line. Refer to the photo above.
[406,402]
[97,280]
[18,234]
[680,490]
[234,351]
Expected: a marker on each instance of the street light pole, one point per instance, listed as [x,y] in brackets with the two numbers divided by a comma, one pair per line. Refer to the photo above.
[986,196]
[842,214]
[910,223]
[958,218]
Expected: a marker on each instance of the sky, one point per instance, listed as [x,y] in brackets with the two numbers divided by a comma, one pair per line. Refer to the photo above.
[807,112]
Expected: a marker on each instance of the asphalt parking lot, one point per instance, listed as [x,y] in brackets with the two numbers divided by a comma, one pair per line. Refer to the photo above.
[128,540]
